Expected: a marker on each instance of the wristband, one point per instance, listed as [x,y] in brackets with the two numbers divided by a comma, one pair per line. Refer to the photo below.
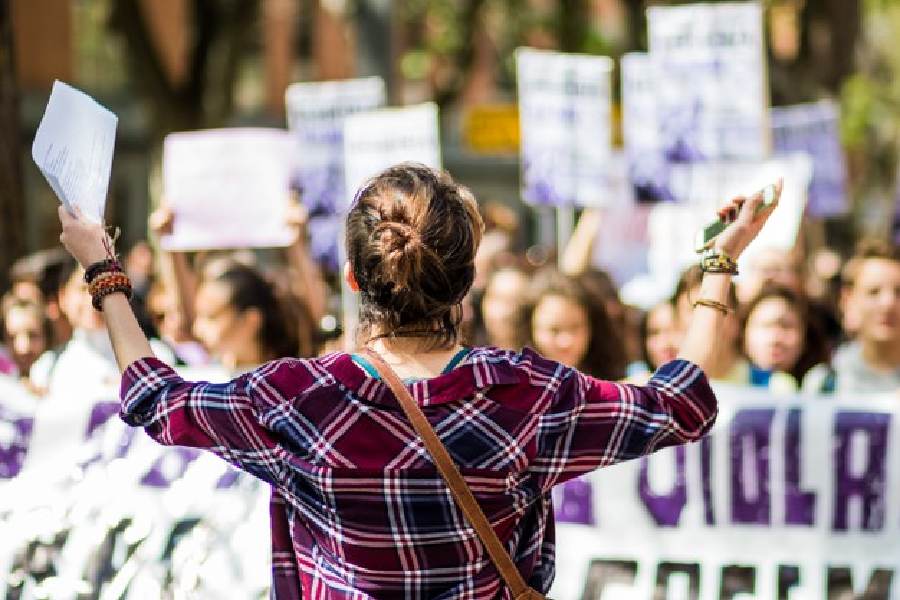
[106,284]
[716,261]
[722,308]
[108,265]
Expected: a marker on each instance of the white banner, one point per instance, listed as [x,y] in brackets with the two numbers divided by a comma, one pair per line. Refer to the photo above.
[790,498]
[565,123]
[91,508]
[228,188]
[711,88]
[379,139]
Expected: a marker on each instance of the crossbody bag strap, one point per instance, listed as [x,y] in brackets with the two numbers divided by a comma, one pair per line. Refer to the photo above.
[458,487]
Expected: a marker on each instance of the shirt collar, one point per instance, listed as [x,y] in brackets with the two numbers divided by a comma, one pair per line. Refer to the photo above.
[481,369]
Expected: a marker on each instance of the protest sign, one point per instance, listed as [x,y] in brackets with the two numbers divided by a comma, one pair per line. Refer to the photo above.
[814,129]
[620,247]
[379,139]
[790,497]
[641,130]
[565,124]
[706,186]
[711,85]
[228,188]
[316,114]
[73,149]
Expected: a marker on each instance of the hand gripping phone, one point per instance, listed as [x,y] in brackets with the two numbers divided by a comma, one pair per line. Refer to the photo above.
[705,236]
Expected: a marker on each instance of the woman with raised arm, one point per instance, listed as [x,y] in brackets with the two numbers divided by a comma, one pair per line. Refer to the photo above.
[351,449]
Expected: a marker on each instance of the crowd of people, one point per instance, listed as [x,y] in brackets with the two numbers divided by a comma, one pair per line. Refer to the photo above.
[790,328]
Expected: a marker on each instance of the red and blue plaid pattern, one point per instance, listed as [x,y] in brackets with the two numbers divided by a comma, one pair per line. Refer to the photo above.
[358,509]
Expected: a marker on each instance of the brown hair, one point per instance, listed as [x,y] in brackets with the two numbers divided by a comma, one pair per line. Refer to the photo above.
[869,248]
[286,328]
[605,356]
[412,234]
[815,344]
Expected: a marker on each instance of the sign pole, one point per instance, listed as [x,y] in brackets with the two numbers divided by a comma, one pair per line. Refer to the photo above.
[565,225]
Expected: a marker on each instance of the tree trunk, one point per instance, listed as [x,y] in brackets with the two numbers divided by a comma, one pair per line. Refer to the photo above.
[12,204]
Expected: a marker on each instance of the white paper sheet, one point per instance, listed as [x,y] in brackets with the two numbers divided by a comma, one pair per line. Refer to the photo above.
[228,188]
[73,148]
[378,139]
[564,116]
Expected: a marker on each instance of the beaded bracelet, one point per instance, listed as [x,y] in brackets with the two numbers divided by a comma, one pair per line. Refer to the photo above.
[107,279]
[722,308]
[108,265]
[97,300]
[718,262]
[109,283]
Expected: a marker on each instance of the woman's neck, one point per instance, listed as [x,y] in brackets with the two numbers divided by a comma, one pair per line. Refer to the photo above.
[413,357]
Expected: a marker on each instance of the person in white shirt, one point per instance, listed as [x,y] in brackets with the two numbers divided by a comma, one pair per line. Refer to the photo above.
[871,305]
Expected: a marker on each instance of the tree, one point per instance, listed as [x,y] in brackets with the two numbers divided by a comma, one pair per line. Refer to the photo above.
[12,205]
[220,33]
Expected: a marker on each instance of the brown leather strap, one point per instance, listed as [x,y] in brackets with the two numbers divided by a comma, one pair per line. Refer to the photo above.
[461,492]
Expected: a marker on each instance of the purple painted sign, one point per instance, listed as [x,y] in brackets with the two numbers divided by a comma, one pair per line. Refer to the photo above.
[814,129]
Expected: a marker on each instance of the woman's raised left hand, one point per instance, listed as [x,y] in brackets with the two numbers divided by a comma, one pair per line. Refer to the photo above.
[85,240]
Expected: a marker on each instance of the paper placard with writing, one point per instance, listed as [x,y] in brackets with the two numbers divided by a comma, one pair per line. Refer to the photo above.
[228,188]
[566,127]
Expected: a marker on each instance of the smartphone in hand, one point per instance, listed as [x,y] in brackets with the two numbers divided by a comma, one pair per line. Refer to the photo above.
[707,234]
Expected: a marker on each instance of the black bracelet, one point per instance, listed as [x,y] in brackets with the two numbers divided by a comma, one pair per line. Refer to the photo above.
[107,265]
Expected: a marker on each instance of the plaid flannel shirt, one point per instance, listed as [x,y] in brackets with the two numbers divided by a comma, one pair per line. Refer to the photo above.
[358,509]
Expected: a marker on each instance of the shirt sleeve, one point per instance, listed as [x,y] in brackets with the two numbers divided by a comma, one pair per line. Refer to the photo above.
[219,417]
[592,423]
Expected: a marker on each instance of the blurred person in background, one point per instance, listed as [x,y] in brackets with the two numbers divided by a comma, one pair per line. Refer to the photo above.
[26,333]
[660,337]
[87,357]
[729,365]
[174,331]
[138,264]
[785,346]
[40,277]
[243,322]
[570,325]
[624,319]
[502,308]
[871,303]
[298,291]
[771,266]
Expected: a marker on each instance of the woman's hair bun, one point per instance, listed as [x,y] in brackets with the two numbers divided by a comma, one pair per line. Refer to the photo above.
[401,252]
[412,234]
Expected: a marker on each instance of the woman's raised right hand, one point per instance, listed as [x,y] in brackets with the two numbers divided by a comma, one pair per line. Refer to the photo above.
[746,223]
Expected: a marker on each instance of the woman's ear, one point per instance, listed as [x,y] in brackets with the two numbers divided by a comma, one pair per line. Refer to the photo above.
[350,277]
